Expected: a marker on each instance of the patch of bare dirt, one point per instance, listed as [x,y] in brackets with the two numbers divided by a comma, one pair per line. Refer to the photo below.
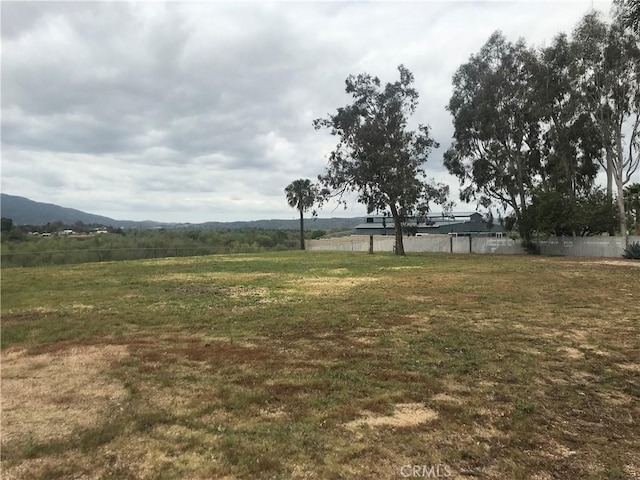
[50,395]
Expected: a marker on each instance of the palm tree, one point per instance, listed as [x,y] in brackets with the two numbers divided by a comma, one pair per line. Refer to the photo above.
[301,194]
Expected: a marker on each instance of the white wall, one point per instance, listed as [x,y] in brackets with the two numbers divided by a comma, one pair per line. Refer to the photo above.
[566,246]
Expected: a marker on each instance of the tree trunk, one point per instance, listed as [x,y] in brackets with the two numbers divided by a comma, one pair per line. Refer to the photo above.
[525,230]
[619,178]
[301,230]
[622,213]
[397,223]
[609,154]
[524,225]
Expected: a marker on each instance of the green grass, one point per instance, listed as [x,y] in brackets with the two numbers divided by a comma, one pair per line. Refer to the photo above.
[304,364]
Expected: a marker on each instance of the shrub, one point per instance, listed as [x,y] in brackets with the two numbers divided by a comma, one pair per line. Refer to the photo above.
[632,251]
[530,247]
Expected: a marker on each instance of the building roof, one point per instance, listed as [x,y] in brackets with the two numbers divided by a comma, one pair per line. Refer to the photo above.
[459,222]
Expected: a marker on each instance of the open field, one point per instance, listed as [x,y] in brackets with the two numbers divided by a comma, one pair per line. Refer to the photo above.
[322,365]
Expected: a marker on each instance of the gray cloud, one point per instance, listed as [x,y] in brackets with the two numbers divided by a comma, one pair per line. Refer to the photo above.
[202,111]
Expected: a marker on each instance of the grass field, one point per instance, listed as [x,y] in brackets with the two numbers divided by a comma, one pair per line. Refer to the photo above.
[322,365]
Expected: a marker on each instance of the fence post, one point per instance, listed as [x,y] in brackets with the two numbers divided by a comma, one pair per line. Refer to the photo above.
[470,245]
[370,243]
[450,243]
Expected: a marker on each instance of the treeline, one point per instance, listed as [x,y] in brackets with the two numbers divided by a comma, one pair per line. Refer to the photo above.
[28,250]
[535,126]
[11,231]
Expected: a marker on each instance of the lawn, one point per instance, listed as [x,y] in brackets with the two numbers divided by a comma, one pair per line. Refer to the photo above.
[322,365]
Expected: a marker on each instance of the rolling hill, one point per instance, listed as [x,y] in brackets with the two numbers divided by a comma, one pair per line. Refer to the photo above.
[24,211]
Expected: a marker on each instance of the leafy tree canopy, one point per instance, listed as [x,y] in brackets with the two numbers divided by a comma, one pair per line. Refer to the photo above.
[627,12]
[376,156]
[496,152]
[532,126]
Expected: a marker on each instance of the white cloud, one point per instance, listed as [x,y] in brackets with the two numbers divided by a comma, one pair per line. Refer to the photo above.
[202,111]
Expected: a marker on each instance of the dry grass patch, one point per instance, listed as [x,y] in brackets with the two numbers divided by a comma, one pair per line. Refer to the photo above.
[404,267]
[572,353]
[81,307]
[198,260]
[404,415]
[49,396]
[329,271]
[634,367]
[327,286]
[159,453]
[201,277]
[273,413]
[615,263]
[446,398]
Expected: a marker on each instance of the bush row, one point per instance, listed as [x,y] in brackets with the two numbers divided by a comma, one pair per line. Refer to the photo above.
[140,244]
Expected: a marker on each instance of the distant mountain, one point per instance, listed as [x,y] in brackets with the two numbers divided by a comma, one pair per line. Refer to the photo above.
[309,224]
[27,212]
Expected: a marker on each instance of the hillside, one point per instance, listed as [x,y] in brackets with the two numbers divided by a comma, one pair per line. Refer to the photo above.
[24,211]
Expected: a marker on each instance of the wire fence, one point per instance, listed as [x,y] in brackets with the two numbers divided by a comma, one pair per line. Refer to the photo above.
[62,257]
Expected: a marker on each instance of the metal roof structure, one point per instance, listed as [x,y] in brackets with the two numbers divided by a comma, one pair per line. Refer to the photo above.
[459,223]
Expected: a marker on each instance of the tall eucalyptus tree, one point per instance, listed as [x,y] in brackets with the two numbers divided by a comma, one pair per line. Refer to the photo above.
[496,148]
[607,80]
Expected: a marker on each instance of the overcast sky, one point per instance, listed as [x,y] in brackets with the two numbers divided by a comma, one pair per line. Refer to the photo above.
[202,111]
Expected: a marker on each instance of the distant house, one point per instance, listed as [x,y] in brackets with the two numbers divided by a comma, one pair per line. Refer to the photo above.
[459,224]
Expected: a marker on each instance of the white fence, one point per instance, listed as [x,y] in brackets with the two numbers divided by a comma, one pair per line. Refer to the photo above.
[565,246]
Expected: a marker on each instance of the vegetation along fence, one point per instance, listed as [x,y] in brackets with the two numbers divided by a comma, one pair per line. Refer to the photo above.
[564,246]
[29,251]
[60,257]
